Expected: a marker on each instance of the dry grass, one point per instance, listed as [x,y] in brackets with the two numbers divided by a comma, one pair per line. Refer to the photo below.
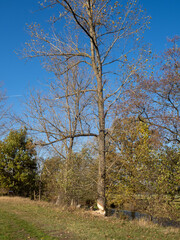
[15,199]
[21,200]
[171,230]
[144,223]
[150,225]
[37,218]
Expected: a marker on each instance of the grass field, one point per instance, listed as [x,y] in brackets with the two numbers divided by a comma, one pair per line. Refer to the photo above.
[22,219]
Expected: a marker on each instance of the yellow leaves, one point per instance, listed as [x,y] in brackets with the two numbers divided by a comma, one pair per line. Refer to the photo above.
[113,22]
[125,58]
[84,4]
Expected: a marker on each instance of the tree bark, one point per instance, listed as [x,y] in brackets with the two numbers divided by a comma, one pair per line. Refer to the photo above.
[101,201]
[97,67]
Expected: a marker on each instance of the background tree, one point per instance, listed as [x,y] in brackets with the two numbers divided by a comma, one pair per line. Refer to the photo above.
[169,171]
[80,185]
[133,169]
[18,167]
[142,171]
[49,175]
[155,97]
[96,30]
[60,116]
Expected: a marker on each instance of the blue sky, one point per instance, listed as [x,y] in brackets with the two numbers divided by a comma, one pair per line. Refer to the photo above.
[18,75]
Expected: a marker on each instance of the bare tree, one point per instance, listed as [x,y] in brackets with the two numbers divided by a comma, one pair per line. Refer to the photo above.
[99,36]
[155,98]
[61,115]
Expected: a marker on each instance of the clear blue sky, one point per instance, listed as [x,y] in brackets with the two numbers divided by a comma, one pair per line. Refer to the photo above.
[17,75]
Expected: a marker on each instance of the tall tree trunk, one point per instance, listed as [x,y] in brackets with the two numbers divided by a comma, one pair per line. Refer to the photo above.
[97,67]
[101,201]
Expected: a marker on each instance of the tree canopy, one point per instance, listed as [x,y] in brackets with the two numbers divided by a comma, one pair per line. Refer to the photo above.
[18,163]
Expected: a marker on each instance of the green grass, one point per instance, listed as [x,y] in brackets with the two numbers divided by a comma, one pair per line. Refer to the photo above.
[25,219]
[12,227]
